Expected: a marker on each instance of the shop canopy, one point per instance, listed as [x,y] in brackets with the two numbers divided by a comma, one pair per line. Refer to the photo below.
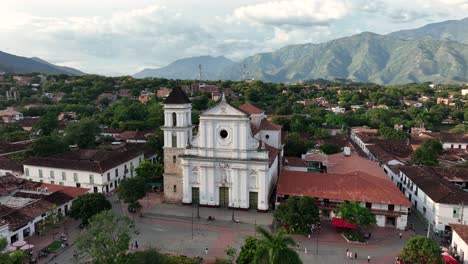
[449,259]
[342,223]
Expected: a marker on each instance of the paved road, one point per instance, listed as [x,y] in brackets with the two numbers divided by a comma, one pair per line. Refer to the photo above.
[175,236]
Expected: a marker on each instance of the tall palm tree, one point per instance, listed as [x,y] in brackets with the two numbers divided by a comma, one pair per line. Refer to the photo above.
[274,248]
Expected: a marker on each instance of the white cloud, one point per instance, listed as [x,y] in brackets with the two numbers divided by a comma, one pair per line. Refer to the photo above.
[119,36]
[292,12]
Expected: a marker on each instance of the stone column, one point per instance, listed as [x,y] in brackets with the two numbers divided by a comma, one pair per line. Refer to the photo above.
[186,186]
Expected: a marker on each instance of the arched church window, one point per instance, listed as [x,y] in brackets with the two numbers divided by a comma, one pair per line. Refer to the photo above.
[174,119]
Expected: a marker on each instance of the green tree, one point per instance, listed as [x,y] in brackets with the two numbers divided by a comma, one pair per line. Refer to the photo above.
[52,220]
[87,205]
[106,238]
[132,189]
[390,133]
[297,214]
[275,248]
[15,257]
[329,148]
[149,171]
[428,153]
[46,124]
[354,213]
[82,133]
[248,251]
[422,250]
[295,145]
[47,146]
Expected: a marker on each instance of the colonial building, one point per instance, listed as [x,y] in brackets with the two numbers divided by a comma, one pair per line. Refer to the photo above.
[376,193]
[459,244]
[24,204]
[100,171]
[437,193]
[233,161]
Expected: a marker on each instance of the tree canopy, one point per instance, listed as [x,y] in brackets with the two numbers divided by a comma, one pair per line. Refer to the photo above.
[248,251]
[106,238]
[428,153]
[87,205]
[16,257]
[275,248]
[47,146]
[82,133]
[151,172]
[297,214]
[354,213]
[132,189]
[422,250]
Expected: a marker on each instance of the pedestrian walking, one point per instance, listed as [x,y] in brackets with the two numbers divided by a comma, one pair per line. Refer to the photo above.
[400,234]
[355,255]
[206,251]
[305,250]
[368,259]
[136,244]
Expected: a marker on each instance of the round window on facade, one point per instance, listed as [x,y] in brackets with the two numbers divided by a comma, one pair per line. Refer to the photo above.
[267,136]
[223,133]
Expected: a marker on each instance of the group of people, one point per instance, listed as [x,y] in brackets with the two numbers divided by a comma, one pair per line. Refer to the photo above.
[351,255]
[64,238]
[134,245]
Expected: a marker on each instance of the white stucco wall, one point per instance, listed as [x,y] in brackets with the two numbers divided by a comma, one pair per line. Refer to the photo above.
[462,247]
[83,177]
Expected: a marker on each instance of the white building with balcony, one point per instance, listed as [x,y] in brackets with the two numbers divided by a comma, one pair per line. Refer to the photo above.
[100,171]
[433,191]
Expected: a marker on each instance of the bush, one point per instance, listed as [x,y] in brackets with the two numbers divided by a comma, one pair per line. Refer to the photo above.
[354,235]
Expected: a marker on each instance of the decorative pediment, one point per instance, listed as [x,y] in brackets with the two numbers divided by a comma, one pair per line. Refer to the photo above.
[223,108]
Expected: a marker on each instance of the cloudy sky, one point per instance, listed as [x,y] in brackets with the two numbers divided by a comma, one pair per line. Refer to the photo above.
[116,37]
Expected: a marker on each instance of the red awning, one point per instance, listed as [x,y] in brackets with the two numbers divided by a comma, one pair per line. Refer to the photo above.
[449,259]
[342,223]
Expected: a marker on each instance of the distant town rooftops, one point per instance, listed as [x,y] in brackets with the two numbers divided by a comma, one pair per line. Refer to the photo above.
[177,96]
[357,186]
[98,161]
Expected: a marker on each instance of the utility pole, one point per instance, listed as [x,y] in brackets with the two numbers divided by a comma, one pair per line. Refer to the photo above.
[462,209]
[199,72]
[428,229]
[192,225]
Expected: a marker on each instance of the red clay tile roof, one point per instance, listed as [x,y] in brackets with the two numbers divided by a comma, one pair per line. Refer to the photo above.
[251,109]
[267,125]
[294,162]
[448,137]
[136,135]
[358,186]
[461,230]
[272,154]
[316,157]
[86,160]
[69,190]
[434,182]
[341,164]
[8,164]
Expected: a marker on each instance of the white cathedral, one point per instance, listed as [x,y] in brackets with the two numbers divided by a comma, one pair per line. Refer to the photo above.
[233,161]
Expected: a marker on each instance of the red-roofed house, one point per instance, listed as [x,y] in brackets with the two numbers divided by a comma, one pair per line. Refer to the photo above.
[384,200]
[24,204]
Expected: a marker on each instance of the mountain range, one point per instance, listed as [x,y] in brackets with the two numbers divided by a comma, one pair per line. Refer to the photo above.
[436,52]
[18,64]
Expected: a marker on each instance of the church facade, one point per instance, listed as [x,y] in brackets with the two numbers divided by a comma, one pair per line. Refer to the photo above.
[233,161]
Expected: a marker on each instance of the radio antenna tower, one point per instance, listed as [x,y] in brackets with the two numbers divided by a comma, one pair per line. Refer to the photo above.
[244,72]
[199,72]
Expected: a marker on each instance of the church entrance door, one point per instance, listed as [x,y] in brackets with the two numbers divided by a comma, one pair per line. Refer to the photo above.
[253,200]
[223,196]
[195,195]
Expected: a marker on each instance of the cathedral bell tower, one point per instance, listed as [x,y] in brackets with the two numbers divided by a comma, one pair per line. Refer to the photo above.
[177,136]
